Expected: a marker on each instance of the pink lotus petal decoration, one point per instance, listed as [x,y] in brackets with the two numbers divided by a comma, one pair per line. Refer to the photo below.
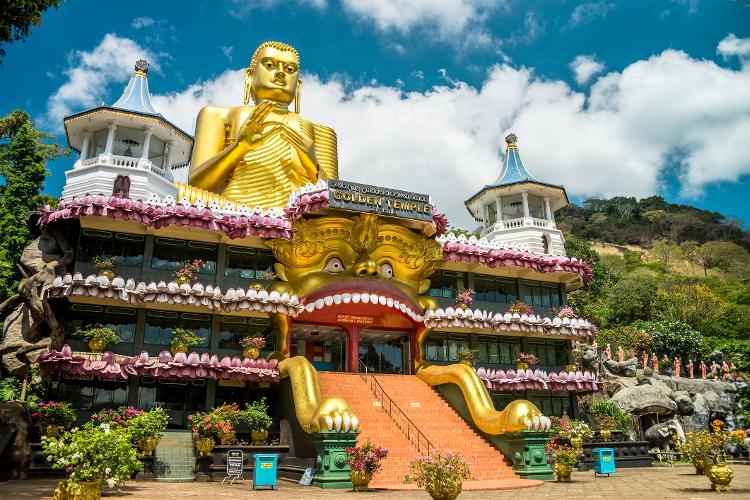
[512,380]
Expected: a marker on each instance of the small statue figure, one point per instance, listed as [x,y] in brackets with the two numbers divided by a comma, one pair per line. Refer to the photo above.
[620,354]
[703,369]
[725,367]
[595,345]
[690,367]
[677,367]
[608,351]
[655,363]
[645,360]
[733,367]
[714,367]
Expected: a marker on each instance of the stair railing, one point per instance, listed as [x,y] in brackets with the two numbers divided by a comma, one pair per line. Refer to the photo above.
[402,421]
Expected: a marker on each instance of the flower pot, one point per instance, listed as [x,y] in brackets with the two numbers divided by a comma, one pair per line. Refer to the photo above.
[85,490]
[576,442]
[522,366]
[226,437]
[445,489]
[51,430]
[251,352]
[720,475]
[108,273]
[174,349]
[97,345]
[563,472]
[605,435]
[259,436]
[701,465]
[204,445]
[462,306]
[571,368]
[147,445]
[257,287]
[182,280]
[360,479]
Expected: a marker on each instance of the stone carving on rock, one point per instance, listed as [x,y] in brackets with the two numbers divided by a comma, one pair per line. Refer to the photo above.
[625,368]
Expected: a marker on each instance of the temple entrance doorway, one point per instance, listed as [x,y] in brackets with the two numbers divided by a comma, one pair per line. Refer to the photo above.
[384,351]
[324,346]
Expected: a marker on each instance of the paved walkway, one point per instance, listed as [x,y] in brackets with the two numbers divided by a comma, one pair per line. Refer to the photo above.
[639,484]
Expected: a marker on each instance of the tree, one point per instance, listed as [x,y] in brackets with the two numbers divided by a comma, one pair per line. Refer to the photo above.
[674,339]
[632,298]
[624,206]
[17,16]
[694,304]
[23,155]
[663,251]
[722,255]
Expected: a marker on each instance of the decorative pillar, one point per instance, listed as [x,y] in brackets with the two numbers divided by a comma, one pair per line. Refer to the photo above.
[486,216]
[499,208]
[526,450]
[168,162]
[547,210]
[525,197]
[353,335]
[146,143]
[110,138]
[331,469]
[85,145]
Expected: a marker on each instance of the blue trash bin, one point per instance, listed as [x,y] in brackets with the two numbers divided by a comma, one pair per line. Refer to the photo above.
[604,461]
[264,473]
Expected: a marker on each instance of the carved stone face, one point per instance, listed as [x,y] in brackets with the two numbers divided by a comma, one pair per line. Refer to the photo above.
[275,75]
[333,256]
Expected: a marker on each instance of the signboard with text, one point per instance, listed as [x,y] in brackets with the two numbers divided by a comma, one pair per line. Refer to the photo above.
[379,200]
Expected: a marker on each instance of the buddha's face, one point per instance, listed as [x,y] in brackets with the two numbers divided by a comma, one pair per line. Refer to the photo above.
[275,75]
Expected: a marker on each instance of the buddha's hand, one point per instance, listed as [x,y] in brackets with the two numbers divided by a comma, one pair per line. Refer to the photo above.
[305,147]
[251,132]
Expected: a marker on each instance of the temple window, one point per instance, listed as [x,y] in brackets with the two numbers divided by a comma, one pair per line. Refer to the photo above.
[446,283]
[248,263]
[494,289]
[540,293]
[128,142]
[445,346]
[552,354]
[170,254]
[170,396]
[157,151]
[121,186]
[92,395]
[233,328]
[120,319]
[159,326]
[496,350]
[551,404]
[98,143]
[126,249]
[536,207]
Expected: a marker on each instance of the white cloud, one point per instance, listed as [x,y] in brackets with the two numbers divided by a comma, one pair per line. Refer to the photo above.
[584,67]
[227,51]
[142,22]
[87,81]
[733,46]
[241,9]
[617,138]
[588,12]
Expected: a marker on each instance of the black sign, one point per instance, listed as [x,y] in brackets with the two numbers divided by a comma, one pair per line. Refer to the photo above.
[234,462]
[379,200]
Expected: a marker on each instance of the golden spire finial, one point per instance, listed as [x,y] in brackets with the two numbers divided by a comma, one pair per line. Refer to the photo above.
[511,139]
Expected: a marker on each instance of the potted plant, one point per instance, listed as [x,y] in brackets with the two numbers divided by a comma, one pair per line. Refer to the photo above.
[563,457]
[252,346]
[564,312]
[120,417]
[705,450]
[104,266]
[256,417]
[523,360]
[52,416]
[579,432]
[187,273]
[467,356]
[364,462]
[226,417]
[204,425]
[520,308]
[182,338]
[607,415]
[146,428]
[92,456]
[99,337]
[465,298]
[439,474]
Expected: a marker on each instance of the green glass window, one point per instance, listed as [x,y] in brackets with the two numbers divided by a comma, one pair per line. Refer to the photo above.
[540,293]
[121,319]
[172,396]
[446,283]
[171,254]
[445,347]
[233,328]
[551,353]
[249,263]
[494,289]
[159,326]
[124,248]
[93,395]
[497,350]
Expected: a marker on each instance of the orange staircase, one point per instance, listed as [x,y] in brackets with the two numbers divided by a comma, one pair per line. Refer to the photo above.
[430,413]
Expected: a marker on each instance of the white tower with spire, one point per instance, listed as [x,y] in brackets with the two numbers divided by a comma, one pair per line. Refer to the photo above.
[518,208]
[126,149]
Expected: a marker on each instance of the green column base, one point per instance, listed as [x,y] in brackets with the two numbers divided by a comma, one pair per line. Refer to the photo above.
[526,450]
[332,471]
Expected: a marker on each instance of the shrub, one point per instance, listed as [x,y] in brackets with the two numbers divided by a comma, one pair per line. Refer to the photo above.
[148,424]
[632,340]
[99,332]
[120,416]
[183,336]
[365,458]
[52,413]
[438,471]
[255,415]
[674,339]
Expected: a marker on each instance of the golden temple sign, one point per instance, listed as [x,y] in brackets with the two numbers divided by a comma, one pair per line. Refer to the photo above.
[379,200]
[354,319]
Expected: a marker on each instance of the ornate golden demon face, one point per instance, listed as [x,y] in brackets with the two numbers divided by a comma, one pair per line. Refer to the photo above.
[333,256]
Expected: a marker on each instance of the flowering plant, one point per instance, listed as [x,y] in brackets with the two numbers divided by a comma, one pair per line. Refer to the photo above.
[465,298]
[565,312]
[254,342]
[93,453]
[365,458]
[120,416]
[525,357]
[220,419]
[579,428]
[468,355]
[103,263]
[438,472]
[561,453]
[188,270]
[184,337]
[98,332]
[148,424]
[520,308]
[52,413]
[266,275]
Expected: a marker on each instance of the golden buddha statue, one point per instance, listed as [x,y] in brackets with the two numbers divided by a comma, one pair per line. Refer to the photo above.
[258,155]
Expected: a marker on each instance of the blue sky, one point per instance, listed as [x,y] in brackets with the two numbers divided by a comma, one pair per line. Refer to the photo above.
[607,98]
